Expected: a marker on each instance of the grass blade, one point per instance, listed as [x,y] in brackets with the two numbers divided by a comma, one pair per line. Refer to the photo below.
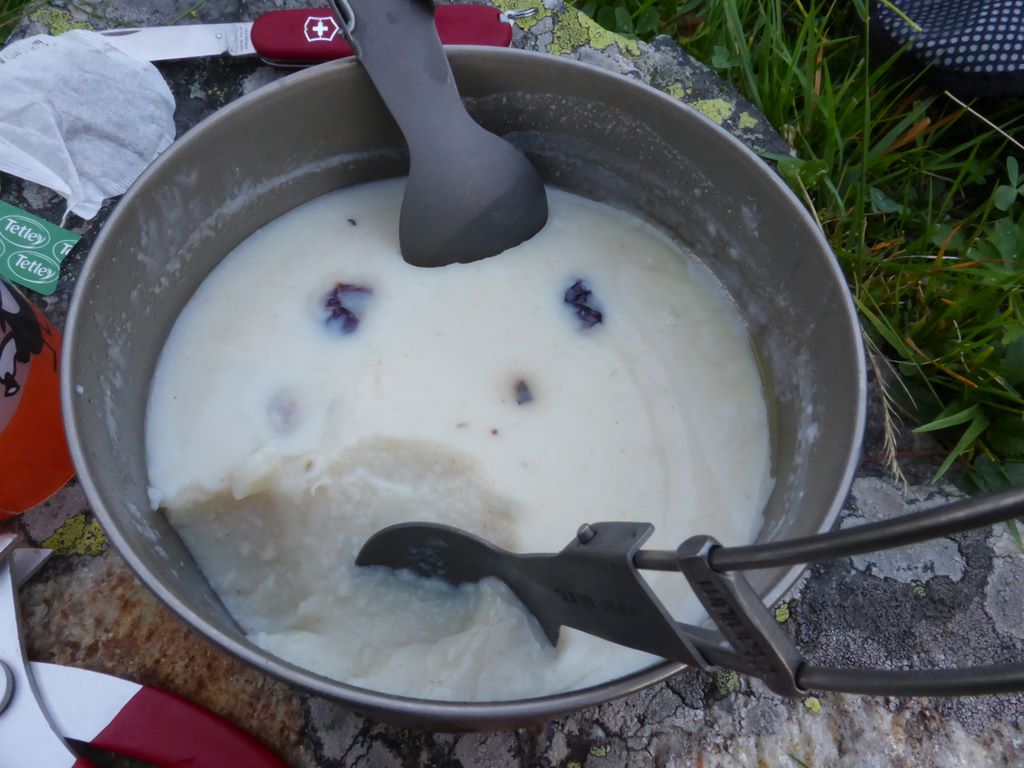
[972,433]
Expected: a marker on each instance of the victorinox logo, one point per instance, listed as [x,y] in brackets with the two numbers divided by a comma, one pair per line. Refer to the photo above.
[321,29]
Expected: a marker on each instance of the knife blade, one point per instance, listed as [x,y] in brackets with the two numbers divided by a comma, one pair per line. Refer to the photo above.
[297,38]
[184,42]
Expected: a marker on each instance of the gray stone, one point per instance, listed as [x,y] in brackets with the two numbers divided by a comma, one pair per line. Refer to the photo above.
[335,728]
[1004,591]
[485,750]
[873,499]
[262,76]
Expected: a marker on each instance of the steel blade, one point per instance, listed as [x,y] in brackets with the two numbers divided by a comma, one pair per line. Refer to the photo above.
[26,561]
[185,42]
[26,732]
[80,702]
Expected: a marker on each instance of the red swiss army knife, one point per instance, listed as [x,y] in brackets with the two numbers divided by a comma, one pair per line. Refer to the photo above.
[301,38]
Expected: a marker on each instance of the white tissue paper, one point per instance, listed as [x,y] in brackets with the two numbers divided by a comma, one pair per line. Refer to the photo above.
[81,117]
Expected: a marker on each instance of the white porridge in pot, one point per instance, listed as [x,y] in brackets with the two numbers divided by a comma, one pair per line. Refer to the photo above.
[317,389]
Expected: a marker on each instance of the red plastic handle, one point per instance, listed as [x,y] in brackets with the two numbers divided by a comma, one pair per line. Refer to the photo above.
[312,35]
[169,732]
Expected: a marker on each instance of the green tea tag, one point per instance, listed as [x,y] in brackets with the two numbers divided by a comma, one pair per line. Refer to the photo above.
[31,249]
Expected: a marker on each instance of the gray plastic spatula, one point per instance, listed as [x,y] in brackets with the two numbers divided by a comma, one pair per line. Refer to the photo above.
[590,585]
[470,194]
[593,585]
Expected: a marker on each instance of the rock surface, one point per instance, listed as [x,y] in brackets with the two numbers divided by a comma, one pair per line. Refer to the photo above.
[948,602]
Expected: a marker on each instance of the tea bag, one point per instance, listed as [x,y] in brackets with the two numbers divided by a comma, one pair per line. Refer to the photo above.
[81,117]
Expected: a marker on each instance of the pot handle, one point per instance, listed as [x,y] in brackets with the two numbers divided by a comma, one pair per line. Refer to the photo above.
[765,651]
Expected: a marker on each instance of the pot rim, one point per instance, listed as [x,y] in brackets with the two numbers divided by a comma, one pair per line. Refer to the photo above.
[453,715]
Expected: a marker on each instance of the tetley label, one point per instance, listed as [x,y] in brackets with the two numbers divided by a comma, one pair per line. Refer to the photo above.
[32,269]
[31,249]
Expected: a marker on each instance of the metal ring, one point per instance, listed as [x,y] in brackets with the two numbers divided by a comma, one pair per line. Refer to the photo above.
[346,15]
[6,685]
[522,13]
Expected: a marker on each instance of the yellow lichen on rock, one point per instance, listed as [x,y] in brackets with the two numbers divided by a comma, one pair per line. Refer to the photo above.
[718,110]
[748,121]
[77,537]
[58,21]
[782,613]
[574,30]
[676,91]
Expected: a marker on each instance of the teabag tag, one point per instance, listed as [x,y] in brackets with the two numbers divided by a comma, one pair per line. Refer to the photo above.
[81,117]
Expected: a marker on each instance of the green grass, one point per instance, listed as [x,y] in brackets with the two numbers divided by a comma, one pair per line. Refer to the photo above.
[10,13]
[921,199]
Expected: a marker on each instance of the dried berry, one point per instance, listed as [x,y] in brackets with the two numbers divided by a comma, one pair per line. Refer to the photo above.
[523,393]
[343,306]
[284,412]
[578,297]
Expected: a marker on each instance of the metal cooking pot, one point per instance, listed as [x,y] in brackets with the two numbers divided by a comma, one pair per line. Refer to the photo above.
[588,131]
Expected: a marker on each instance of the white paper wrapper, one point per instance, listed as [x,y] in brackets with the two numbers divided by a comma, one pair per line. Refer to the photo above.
[81,117]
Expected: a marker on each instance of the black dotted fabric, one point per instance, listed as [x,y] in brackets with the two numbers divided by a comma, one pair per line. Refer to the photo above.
[974,41]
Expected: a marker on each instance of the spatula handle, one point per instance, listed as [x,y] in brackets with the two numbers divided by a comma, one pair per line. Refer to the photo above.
[397,42]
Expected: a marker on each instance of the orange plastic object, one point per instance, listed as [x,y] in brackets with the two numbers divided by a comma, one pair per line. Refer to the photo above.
[34,459]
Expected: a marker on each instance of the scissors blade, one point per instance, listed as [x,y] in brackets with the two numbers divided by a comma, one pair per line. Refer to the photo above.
[80,702]
[27,735]
[144,723]
[26,561]
[188,41]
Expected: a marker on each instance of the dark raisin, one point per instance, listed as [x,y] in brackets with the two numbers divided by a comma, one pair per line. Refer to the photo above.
[284,412]
[523,393]
[342,304]
[578,297]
